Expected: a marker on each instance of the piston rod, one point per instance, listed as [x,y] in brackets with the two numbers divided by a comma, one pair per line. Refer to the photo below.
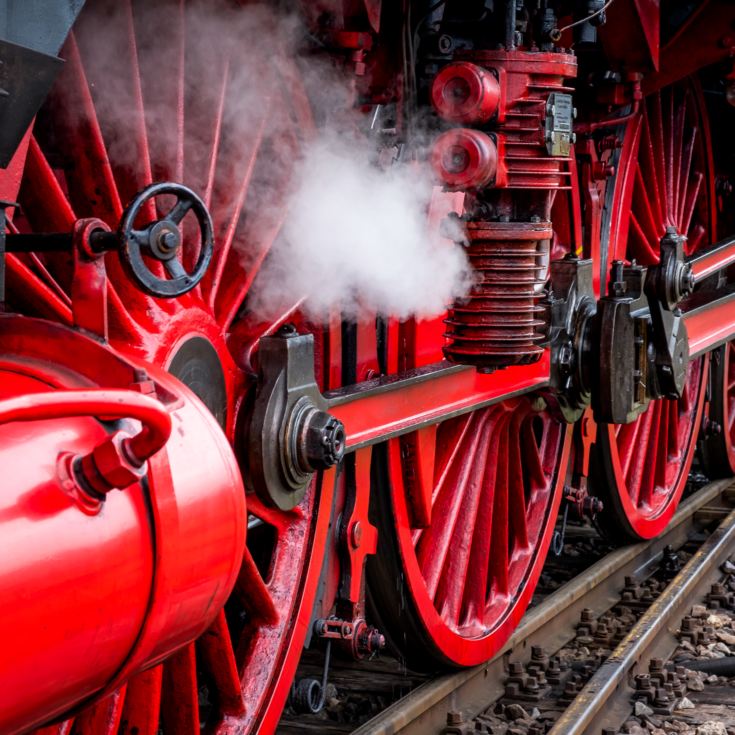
[712,260]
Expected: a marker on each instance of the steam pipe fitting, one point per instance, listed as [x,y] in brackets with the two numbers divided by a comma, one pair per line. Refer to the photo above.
[116,463]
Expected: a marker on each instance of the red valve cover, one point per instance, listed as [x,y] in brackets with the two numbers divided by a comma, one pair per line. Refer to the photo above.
[90,598]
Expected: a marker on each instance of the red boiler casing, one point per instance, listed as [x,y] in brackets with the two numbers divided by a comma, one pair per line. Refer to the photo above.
[92,595]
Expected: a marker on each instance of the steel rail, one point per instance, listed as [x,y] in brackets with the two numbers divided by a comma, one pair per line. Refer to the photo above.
[551,624]
[605,699]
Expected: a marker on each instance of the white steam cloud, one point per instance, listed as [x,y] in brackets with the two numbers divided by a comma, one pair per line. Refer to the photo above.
[352,237]
[358,238]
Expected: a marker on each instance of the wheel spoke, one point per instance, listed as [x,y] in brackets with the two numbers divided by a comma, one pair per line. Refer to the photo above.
[660,155]
[674,444]
[677,167]
[696,238]
[685,175]
[627,442]
[651,452]
[477,581]
[217,132]
[649,165]
[499,538]
[218,656]
[516,484]
[454,572]
[532,458]
[662,446]
[645,252]
[141,712]
[644,213]
[636,476]
[230,221]
[42,300]
[180,698]
[669,161]
[691,202]
[103,717]
[253,593]
[434,546]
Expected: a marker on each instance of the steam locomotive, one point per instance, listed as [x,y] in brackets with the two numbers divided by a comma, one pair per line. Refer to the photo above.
[194,488]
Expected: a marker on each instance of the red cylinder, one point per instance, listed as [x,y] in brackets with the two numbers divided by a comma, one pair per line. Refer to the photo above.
[465,158]
[93,594]
[465,93]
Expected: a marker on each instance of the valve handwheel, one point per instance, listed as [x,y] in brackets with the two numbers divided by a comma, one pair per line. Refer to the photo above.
[87,165]
[163,240]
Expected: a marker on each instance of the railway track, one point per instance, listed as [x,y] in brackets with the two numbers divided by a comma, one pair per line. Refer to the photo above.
[592,690]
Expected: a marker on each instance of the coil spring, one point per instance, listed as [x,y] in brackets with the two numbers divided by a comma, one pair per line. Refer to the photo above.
[502,321]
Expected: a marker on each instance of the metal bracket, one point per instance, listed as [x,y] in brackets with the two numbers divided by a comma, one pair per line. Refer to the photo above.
[572,305]
[558,133]
[291,435]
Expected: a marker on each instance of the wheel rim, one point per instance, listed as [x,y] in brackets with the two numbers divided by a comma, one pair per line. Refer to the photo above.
[238,674]
[718,446]
[664,178]
[473,506]
[728,403]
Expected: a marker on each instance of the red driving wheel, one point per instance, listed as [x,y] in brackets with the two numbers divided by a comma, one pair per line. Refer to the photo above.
[467,509]
[718,447]
[150,98]
[663,179]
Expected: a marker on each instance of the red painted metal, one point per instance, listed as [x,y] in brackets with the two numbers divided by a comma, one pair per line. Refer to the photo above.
[396,410]
[726,414]
[475,480]
[88,165]
[713,259]
[115,584]
[465,159]
[664,178]
[709,326]
[501,322]
[465,93]
[526,80]
[706,37]
[475,501]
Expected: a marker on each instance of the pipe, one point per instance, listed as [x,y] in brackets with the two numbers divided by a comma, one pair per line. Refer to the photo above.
[100,403]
